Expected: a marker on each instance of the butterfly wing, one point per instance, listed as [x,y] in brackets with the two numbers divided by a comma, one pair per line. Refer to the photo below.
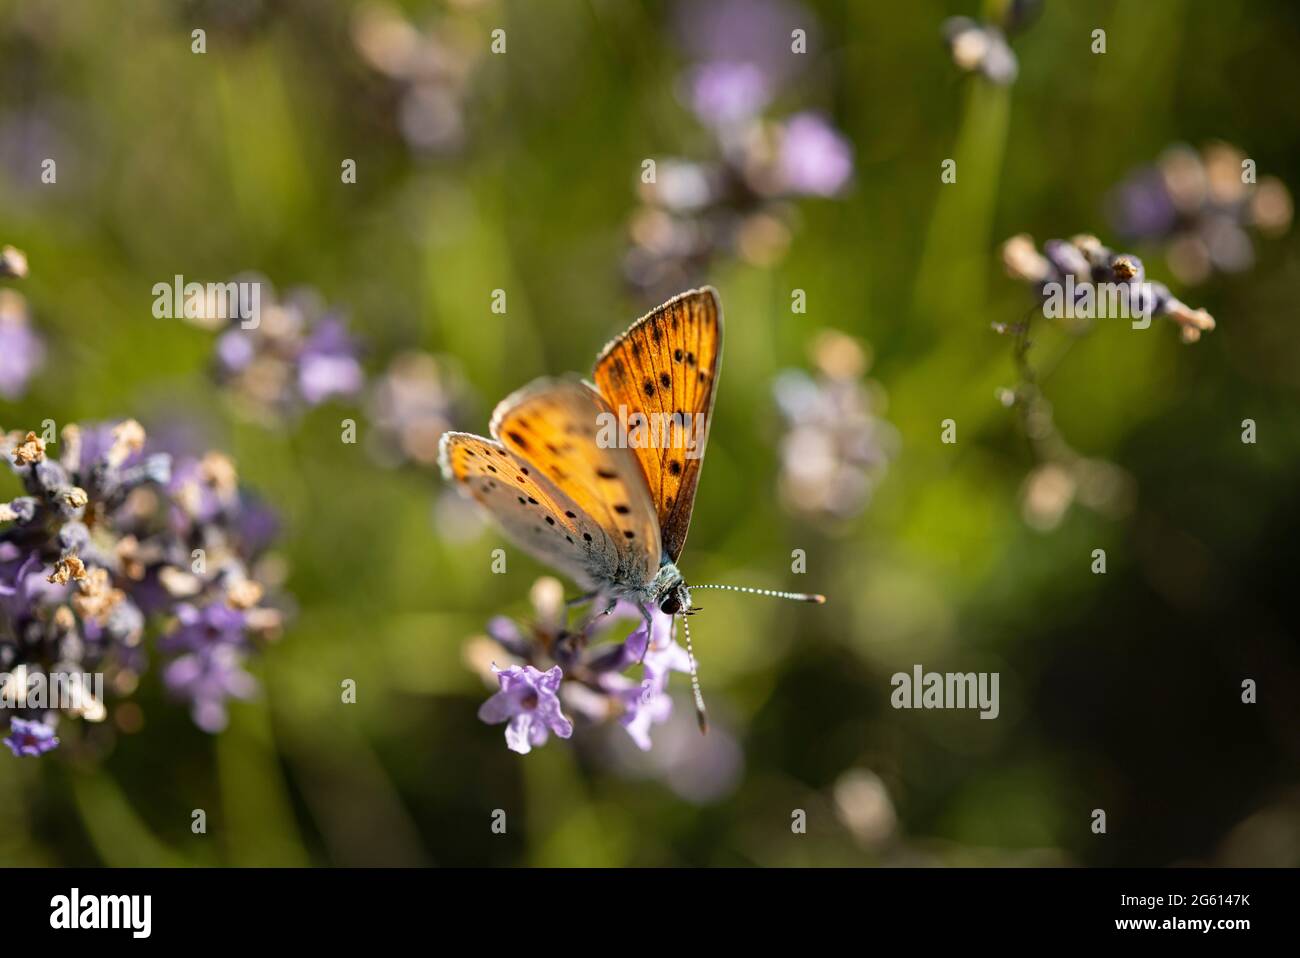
[666,365]
[559,429]
[532,514]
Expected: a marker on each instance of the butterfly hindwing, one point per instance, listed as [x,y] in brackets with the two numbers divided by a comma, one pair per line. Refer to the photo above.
[665,367]
[555,426]
[530,511]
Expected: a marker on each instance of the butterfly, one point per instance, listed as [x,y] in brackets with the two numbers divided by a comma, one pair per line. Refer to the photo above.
[597,479]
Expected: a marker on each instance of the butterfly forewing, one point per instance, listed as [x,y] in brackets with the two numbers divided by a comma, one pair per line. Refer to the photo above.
[665,368]
[558,428]
[534,515]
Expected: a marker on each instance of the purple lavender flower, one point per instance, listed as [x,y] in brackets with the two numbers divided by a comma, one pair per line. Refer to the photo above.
[298,356]
[109,530]
[735,202]
[20,575]
[528,701]
[735,205]
[22,351]
[596,679]
[235,351]
[815,159]
[1199,206]
[217,609]
[201,629]
[726,94]
[648,703]
[207,678]
[30,739]
[742,55]
[76,601]
[328,365]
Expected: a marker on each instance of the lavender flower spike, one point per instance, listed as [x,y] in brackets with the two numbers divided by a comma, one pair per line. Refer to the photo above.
[528,700]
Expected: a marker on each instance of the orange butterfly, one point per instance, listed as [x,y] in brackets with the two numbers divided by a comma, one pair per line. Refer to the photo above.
[599,480]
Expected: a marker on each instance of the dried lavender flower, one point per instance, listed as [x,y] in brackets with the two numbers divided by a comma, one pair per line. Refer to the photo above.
[113,544]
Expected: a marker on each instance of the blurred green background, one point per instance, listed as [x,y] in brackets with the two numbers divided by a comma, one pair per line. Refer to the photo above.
[1119,691]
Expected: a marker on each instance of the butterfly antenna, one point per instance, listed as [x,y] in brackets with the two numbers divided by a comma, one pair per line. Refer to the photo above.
[701,714]
[796,596]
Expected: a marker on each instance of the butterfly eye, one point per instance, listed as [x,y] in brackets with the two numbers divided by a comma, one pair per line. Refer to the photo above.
[671,605]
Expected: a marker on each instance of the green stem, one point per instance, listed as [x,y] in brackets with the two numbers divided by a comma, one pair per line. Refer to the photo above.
[119,835]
